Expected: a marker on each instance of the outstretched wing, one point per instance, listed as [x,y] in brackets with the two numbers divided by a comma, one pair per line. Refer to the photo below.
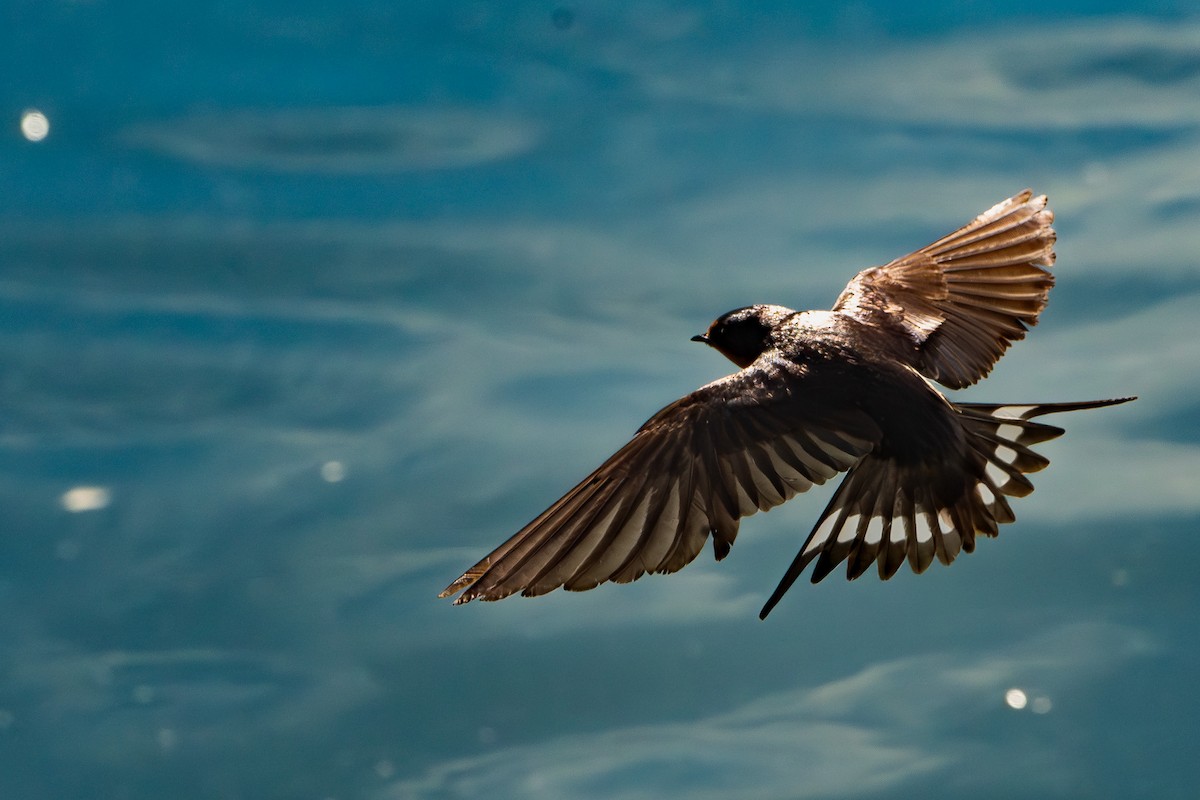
[968,296]
[742,444]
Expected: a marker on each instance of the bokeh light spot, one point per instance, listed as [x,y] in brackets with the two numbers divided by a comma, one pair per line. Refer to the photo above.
[1015,698]
[333,471]
[35,126]
[85,498]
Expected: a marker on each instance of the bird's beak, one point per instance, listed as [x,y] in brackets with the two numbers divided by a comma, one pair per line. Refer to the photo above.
[700,337]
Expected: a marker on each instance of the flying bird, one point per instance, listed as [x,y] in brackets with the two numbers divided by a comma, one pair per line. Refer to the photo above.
[819,393]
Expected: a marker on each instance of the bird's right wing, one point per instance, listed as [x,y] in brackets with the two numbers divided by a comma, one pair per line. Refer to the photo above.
[968,296]
[745,443]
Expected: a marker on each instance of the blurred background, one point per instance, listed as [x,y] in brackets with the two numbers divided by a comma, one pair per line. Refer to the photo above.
[306,306]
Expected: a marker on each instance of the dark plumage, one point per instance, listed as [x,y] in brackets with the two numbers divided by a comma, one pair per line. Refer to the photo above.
[818,393]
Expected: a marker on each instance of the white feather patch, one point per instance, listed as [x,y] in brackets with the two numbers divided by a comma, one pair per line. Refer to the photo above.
[849,529]
[996,475]
[925,522]
[874,533]
[821,534]
[1011,432]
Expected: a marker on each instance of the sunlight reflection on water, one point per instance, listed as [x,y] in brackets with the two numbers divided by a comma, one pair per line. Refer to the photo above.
[35,126]
[85,498]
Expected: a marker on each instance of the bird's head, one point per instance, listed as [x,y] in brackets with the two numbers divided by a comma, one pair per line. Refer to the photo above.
[743,334]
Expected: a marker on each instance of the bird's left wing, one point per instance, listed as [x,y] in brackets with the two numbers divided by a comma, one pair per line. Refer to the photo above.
[744,443]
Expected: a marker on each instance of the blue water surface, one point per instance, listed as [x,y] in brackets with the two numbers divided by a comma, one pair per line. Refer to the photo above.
[305,306]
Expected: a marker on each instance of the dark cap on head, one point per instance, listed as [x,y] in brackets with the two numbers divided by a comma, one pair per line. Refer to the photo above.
[741,335]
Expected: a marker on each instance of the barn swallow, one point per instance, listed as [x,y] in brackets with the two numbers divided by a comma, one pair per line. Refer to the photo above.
[818,393]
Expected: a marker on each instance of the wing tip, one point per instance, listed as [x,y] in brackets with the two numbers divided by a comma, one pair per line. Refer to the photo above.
[465,581]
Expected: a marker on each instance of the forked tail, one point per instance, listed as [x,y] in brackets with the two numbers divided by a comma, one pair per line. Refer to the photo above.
[885,512]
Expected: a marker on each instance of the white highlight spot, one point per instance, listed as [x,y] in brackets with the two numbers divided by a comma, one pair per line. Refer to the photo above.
[333,471]
[34,125]
[85,498]
[1015,698]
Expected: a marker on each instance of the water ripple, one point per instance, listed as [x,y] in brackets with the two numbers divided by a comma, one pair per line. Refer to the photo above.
[339,140]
